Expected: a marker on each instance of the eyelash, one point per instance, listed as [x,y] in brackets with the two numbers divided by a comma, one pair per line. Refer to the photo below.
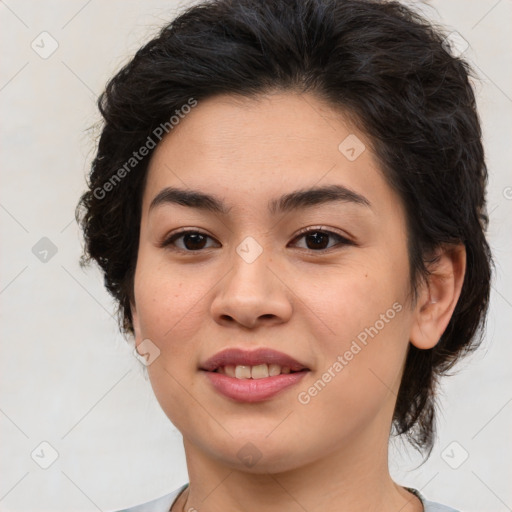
[342,241]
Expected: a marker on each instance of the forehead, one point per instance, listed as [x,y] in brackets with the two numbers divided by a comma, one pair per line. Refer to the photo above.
[285,125]
[260,147]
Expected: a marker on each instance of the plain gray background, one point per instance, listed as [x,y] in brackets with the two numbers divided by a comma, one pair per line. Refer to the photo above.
[69,379]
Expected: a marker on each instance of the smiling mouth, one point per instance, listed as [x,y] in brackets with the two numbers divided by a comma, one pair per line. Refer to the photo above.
[260,371]
[253,383]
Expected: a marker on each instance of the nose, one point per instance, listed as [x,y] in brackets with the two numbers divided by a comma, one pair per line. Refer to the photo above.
[251,294]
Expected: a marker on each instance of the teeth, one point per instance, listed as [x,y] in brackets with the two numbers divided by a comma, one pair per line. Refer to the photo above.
[259,371]
[229,370]
[243,372]
[274,369]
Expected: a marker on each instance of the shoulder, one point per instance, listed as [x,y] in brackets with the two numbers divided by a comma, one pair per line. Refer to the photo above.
[162,504]
[431,506]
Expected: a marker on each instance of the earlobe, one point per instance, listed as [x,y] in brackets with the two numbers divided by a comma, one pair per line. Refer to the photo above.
[438,296]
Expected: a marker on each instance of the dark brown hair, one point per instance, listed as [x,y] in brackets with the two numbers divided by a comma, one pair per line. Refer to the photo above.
[379,62]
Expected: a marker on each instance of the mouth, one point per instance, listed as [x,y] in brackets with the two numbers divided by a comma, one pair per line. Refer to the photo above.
[252,376]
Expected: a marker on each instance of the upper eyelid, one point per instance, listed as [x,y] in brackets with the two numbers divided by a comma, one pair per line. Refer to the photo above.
[321,229]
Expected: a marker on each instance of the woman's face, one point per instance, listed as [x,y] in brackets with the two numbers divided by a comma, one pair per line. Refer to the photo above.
[335,299]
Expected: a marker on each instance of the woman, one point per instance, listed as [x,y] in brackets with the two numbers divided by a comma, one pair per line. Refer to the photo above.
[288,204]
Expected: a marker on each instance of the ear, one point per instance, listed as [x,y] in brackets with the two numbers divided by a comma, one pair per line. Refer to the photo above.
[438,296]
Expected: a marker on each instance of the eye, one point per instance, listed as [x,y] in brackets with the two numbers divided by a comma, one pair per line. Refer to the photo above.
[191,241]
[317,239]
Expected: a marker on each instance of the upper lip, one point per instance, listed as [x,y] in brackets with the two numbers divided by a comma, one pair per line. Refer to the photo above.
[236,356]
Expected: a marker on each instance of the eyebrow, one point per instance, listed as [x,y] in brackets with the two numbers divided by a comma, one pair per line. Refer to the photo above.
[303,198]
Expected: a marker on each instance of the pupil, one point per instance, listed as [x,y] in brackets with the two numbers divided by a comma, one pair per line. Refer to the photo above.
[195,241]
[315,237]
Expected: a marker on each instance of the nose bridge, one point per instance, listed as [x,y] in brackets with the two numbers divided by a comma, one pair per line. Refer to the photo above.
[249,250]
[251,290]
[250,274]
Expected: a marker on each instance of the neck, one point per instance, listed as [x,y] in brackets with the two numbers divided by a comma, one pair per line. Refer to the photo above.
[354,477]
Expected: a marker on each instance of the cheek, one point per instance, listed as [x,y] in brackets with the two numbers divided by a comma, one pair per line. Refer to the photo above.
[347,299]
[168,299]
[365,340]
[168,312]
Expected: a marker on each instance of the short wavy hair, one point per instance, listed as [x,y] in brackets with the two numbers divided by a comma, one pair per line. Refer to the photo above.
[384,66]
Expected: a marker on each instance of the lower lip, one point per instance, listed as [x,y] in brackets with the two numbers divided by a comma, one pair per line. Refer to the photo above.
[253,390]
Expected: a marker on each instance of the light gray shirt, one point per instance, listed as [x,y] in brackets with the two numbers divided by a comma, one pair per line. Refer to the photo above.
[164,503]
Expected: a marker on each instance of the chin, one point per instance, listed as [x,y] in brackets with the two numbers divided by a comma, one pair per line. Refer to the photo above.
[259,454]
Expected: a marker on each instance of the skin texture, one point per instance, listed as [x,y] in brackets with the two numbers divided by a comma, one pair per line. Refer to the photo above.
[326,454]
